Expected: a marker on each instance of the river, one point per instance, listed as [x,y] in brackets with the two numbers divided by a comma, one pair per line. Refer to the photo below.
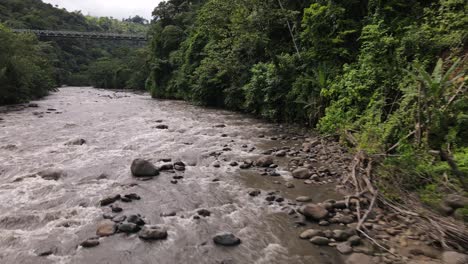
[38,215]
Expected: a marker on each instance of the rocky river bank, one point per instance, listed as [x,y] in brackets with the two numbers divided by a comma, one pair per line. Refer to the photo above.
[95,176]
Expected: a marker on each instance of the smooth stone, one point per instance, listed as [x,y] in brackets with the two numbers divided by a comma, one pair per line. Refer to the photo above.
[204,212]
[128,228]
[89,243]
[143,168]
[309,233]
[314,212]
[76,142]
[289,185]
[226,239]
[301,173]
[320,241]
[136,219]
[105,228]
[153,233]
[254,193]
[303,199]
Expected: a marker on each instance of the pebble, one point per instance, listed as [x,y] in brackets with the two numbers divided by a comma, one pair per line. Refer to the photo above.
[320,241]
[303,199]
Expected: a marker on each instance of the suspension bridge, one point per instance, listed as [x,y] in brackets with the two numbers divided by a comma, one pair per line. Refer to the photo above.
[82,35]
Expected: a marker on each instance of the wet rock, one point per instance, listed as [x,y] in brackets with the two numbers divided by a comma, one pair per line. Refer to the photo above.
[136,219]
[254,193]
[174,181]
[452,257]
[339,205]
[33,105]
[179,166]
[456,201]
[116,209]
[166,167]
[303,199]
[341,235]
[226,239]
[217,165]
[204,212]
[76,142]
[359,258]
[314,212]
[162,127]
[264,161]
[301,173]
[52,174]
[153,233]
[274,174]
[89,243]
[344,248]
[143,168]
[309,233]
[128,228]
[119,218]
[319,240]
[354,240]
[220,125]
[233,163]
[132,196]
[270,198]
[343,219]
[105,228]
[307,146]
[289,185]
[109,200]
[279,199]
[324,223]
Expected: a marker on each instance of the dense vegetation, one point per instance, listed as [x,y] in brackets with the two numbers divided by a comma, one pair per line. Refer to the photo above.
[55,62]
[388,77]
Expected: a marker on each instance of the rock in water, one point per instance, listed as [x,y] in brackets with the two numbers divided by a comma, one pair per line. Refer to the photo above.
[301,173]
[314,212]
[106,228]
[52,174]
[128,228]
[143,168]
[153,233]
[76,142]
[109,200]
[226,239]
[320,241]
[92,242]
[264,161]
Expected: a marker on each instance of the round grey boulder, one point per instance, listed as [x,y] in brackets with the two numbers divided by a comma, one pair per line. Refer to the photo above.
[143,168]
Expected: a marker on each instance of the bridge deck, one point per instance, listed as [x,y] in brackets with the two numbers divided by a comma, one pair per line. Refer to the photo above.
[77,34]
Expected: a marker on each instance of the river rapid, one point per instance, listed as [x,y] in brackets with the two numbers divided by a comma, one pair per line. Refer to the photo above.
[55,216]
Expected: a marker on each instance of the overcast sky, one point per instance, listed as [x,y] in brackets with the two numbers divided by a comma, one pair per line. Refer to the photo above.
[114,8]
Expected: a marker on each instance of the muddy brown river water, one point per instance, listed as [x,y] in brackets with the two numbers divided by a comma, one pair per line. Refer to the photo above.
[38,215]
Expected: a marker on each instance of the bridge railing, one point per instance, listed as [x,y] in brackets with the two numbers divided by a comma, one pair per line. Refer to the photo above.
[79,34]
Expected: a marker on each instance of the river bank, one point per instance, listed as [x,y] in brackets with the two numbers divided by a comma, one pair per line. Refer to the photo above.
[65,158]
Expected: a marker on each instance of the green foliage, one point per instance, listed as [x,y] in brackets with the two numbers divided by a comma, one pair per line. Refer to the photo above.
[24,69]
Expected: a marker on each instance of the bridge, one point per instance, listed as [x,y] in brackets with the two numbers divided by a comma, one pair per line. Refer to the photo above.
[84,35]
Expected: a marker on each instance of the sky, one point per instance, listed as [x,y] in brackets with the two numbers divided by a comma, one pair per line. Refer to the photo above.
[114,8]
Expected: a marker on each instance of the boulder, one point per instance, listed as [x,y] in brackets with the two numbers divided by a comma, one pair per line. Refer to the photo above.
[320,241]
[153,233]
[52,174]
[264,161]
[105,228]
[301,173]
[314,212]
[226,239]
[143,168]
[452,257]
